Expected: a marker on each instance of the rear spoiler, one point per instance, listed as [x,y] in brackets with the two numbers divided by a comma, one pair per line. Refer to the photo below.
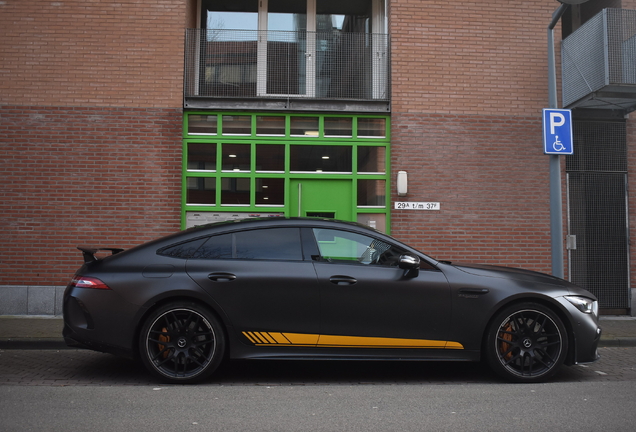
[89,253]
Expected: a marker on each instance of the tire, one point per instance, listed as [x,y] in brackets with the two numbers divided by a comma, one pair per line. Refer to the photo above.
[181,342]
[526,343]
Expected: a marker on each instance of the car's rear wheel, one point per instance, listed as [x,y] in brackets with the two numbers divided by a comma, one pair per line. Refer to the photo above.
[526,343]
[181,342]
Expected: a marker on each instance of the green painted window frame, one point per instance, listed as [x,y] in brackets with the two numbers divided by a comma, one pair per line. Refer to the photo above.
[285,140]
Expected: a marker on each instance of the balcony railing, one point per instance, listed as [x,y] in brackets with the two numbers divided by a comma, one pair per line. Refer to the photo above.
[599,62]
[246,64]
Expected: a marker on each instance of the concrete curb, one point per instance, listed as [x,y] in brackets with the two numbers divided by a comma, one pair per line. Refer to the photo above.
[618,342]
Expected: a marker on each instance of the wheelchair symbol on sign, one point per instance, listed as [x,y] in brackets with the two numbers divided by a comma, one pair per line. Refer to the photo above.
[558,145]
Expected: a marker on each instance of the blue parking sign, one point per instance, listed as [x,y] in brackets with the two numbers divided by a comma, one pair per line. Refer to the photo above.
[557,132]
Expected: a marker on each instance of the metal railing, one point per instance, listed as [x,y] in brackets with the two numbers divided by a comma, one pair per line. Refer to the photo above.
[601,55]
[282,64]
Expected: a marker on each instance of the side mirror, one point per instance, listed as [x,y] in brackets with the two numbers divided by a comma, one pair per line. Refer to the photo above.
[410,264]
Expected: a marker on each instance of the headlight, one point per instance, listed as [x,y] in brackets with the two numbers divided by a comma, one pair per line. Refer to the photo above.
[584,304]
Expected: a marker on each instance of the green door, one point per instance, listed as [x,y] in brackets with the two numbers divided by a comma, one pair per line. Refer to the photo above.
[322,198]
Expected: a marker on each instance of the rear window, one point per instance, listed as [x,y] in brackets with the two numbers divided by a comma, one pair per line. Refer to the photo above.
[182,250]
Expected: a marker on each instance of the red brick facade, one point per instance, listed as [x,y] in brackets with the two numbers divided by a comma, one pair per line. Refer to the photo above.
[466,126]
[83,176]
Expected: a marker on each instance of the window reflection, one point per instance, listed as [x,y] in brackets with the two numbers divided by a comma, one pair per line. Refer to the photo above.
[372,127]
[236,157]
[235,191]
[270,191]
[270,157]
[202,124]
[371,193]
[304,126]
[371,160]
[270,125]
[201,190]
[201,157]
[316,158]
[237,125]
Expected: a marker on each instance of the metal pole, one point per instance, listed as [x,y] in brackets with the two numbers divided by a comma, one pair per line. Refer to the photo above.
[556,208]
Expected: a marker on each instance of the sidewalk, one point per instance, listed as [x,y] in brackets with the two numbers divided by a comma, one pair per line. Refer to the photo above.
[44,332]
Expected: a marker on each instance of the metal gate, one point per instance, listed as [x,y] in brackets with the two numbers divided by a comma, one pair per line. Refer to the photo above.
[597,213]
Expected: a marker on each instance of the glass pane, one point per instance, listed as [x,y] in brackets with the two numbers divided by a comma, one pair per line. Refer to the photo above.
[202,157]
[237,125]
[235,191]
[229,59]
[343,16]
[374,220]
[371,159]
[343,57]
[269,125]
[201,190]
[269,244]
[286,47]
[371,193]
[241,15]
[304,126]
[372,127]
[317,158]
[236,157]
[270,157]
[202,124]
[338,126]
[352,248]
[270,191]
[217,247]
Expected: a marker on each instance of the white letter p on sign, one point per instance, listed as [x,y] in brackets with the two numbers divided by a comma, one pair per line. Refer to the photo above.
[554,122]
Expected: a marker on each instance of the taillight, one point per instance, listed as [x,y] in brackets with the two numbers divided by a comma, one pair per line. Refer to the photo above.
[88,282]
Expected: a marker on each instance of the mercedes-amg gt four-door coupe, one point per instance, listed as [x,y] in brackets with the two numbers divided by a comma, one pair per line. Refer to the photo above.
[310,288]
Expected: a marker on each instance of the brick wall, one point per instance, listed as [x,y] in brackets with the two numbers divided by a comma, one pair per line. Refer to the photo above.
[491,178]
[90,52]
[105,177]
[469,83]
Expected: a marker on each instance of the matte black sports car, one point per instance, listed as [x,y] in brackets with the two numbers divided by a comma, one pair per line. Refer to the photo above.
[322,289]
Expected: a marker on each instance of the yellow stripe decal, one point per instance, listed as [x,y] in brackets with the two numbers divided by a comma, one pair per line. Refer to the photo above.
[301,339]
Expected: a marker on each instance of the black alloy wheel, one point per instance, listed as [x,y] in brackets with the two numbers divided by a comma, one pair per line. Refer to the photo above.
[181,343]
[526,343]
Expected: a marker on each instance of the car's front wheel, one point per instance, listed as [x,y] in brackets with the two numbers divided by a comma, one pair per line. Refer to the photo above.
[526,343]
[181,342]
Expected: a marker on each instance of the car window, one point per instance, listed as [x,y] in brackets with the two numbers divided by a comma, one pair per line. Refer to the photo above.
[354,248]
[259,244]
[182,250]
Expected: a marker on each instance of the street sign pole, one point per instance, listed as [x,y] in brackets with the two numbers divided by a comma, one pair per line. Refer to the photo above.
[556,209]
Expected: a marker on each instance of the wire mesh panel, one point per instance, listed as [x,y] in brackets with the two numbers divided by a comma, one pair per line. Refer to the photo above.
[597,190]
[284,64]
[600,53]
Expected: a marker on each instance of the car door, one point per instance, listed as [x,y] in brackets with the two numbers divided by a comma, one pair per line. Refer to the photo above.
[260,280]
[364,294]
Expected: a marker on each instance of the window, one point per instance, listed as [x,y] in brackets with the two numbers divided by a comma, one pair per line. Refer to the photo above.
[264,244]
[201,157]
[317,158]
[182,250]
[371,193]
[352,248]
[371,160]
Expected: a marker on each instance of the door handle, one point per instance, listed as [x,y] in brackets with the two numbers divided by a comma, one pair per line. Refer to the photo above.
[221,277]
[342,280]
[473,292]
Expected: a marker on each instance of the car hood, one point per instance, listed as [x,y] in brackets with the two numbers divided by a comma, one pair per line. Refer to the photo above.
[520,275]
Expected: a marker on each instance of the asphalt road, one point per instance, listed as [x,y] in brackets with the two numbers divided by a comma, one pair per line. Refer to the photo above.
[82,390]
